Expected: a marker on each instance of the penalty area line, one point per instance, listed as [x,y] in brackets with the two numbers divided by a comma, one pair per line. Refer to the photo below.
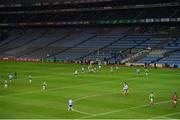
[90,96]
[85,113]
[58,88]
[166,115]
[125,109]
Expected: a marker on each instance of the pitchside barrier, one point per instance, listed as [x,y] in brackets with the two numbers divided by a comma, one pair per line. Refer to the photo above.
[142,64]
[53,60]
[20,59]
[79,62]
[31,60]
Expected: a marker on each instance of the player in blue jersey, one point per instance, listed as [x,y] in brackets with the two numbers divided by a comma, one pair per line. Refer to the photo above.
[70,103]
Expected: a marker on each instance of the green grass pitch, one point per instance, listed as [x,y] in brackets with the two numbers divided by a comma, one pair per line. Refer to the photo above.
[95,95]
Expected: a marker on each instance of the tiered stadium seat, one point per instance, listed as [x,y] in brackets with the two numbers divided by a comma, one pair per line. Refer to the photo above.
[172,60]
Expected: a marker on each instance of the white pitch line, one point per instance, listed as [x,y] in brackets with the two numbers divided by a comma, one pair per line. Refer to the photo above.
[167,115]
[85,97]
[121,110]
[90,96]
[37,91]
[82,112]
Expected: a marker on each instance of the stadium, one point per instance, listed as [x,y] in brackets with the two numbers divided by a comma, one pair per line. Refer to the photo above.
[89,59]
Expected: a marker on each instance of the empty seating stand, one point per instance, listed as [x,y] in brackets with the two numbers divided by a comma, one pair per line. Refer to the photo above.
[173,60]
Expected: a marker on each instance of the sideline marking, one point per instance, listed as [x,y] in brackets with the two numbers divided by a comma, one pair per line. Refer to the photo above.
[81,112]
[166,115]
[125,109]
[59,88]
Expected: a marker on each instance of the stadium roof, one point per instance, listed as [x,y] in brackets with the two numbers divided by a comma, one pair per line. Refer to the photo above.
[57,2]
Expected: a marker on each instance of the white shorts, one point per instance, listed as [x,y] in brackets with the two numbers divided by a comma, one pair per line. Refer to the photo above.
[152,100]
[174,101]
[5,85]
[125,90]
[44,87]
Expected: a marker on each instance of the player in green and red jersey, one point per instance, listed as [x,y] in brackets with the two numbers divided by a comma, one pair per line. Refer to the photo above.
[174,100]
